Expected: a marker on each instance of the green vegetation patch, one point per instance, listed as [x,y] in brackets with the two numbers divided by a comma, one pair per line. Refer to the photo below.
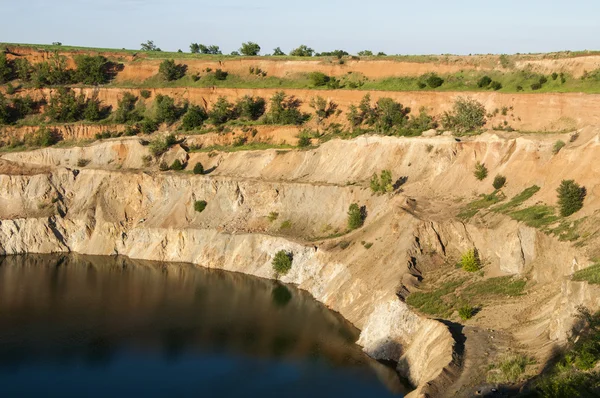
[485,202]
[590,275]
[500,286]
[537,216]
[439,302]
[517,200]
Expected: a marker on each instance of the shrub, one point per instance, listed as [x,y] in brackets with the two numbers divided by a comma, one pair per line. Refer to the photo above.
[558,145]
[162,145]
[221,74]
[383,184]
[355,217]
[509,370]
[93,69]
[470,261]
[570,197]
[484,82]
[221,112]
[166,110]
[319,79]
[285,110]
[323,108]
[65,106]
[554,76]
[434,81]
[302,51]
[282,262]
[200,205]
[536,86]
[250,108]
[344,244]
[81,162]
[43,137]
[250,49]
[194,118]
[466,312]
[6,69]
[365,53]
[177,165]
[146,94]
[148,126]
[499,181]
[198,168]
[273,216]
[304,140]
[467,115]
[10,89]
[126,111]
[277,52]
[496,85]
[22,69]
[169,70]
[163,166]
[481,171]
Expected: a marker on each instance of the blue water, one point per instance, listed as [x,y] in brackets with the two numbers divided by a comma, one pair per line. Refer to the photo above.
[74,326]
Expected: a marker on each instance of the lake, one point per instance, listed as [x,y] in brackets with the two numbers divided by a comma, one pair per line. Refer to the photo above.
[73,326]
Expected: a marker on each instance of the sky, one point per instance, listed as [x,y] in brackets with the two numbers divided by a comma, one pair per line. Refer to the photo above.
[391,26]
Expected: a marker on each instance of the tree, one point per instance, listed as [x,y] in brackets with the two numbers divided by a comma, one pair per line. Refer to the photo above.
[434,81]
[277,52]
[390,114]
[302,51]
[282,262]
[570,197]
[383,185]
[355,217]
[22,68]
[177,165]
[250,49]
[319,79]
[194,48]
[149,46]
[467,115]
[484,82]
[194,118]
[221,112]
[65,106]
[170,71]
[365,53]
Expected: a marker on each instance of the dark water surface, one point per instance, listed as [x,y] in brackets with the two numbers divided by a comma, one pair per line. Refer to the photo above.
[75,326]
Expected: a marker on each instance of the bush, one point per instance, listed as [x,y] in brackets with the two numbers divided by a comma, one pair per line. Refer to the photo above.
[304,140]
[250,108]
[496,85]
[570,197]
[365,53]
[323,108]
[302,51]
[273,216]
[169,70]
[93,69]
[6,69]
[126,110]
[554,76]
[481,171]
[285,110]
[162,145]
[467,115]
[470,261]
[434,81]
[43,137]
[221,112]
[484,82]
[166,110]
[221,74]
[194,118]
[355,217]
[558,145]
[198,168]
[145,94]
[277,52]
[466,312]
[22,69]
[319,79]
[250,49]
[499,181]
[536,86]
[383,184]
[65,106]
[163,166]
[148,126]
[200,205]
[81,162]
[177,165]
[282,262]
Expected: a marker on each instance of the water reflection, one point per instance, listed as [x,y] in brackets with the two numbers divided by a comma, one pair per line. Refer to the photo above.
[110,321]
